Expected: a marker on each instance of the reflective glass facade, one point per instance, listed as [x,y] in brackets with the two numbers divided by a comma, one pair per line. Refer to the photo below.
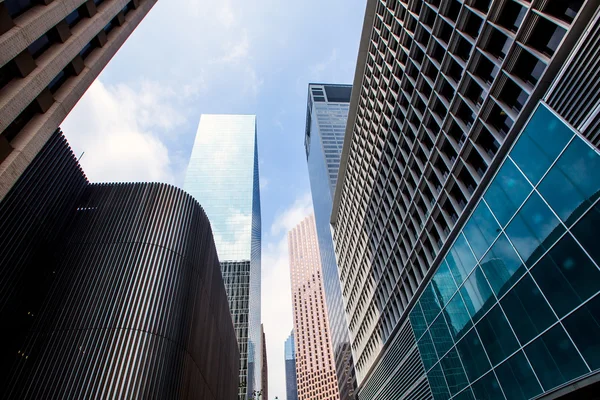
[325,126]
[513,309]
[223,176]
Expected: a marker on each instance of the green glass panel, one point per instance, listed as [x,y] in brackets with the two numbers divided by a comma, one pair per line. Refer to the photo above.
[587,231]
[527,310]
[460,259]
[459,320]
[443,283]
[534,229]
[427,351]
[566,276]
[429,304]
[441,335]
[487,388]
[496,336]
[453,370]
[438,383]
[502,266]
[477,295]
[481,230]
[584,328]
[507,192]
[474,358]
[541,142]
[554,358]
[417,320]
[465,395]
[517,378]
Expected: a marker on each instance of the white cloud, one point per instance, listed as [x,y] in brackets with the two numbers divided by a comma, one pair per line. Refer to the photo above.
[264,183]
[292,216]
[318,69]
[237,50]
[226,15]
[116,126]
[276,291]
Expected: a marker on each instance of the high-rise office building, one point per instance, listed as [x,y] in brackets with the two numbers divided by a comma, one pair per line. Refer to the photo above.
[315,365]
[466,198]
[264,364]
[109,290]
[50,53]
[325,126]
[223,176]
[291,388]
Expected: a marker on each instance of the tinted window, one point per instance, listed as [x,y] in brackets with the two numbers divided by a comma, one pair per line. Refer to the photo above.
[507,192]
[517,378]
[502,266]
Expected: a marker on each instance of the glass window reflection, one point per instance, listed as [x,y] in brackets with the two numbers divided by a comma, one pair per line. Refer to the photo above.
[438,383]
[587,231]
[427,351]
[481,230]
[453,370]
[507,192]
[586,339]
[443,283]
[554,358]
[477,295]
[567,276]
[496,335]
[459,320]
[473,356]
[502,266]
[429,304]
[460,259]
[534,229]
[573,183]
[527,310]
[487,388]
[517,378]
[441,335]
[541,142]
[417,320]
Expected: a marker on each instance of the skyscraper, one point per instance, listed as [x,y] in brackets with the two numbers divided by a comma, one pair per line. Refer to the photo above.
[223,176]
[315,365]
[469,122]
[291,387]
[50,53]
[326,117]
[265,369]
[109,290]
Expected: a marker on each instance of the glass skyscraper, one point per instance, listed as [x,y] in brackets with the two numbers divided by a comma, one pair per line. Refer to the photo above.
[223,176]
[326,115]
[291,386]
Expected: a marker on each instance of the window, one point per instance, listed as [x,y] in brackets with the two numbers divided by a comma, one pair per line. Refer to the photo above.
[517,378]
[586,339]
[453,371]
[546,36]
[485,69]
[474,358]
[499,120]
[529,68]
[477,295]
[512,15]
[498,44]
[427,351]
[496,335]
[488,388]
[513,96]
[566,10]
[502,266]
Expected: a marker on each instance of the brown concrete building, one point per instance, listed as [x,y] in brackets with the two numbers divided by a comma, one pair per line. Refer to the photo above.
[50,53]
[315,366]
[265,369]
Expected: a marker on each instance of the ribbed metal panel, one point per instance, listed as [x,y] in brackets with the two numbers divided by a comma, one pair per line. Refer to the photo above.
[32,222]
[136,306]
[399,374]
[576,93]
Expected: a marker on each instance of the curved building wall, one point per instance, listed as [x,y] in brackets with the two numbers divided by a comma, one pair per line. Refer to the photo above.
[138,307]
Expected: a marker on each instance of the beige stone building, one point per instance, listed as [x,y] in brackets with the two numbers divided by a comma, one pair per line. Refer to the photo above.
[315,366]
[50,53]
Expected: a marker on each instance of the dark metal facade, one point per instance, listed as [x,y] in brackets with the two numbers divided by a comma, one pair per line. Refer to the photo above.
[135,306]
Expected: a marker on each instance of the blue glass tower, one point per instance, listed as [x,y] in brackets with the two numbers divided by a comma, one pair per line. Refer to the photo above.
[325,126]
[290,368]
[223,176]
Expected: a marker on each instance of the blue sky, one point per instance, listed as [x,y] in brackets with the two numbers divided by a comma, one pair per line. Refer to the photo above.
[138,120]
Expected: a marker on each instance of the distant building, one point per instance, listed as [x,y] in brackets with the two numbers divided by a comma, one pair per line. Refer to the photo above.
[326,116]
[50,53]
[109,290]
[466,215]
[315,365]
[265,369]
[223,176]
[290,368]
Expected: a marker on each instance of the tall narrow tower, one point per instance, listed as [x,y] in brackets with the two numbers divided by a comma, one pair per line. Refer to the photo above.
[223,176]
[315,367]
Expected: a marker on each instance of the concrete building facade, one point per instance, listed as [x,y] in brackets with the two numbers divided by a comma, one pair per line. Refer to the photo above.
[315,364]
[326,116]
[50,53]
[448,96]
[109,290]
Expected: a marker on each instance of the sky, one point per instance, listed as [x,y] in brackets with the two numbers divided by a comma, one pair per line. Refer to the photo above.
[138,120]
